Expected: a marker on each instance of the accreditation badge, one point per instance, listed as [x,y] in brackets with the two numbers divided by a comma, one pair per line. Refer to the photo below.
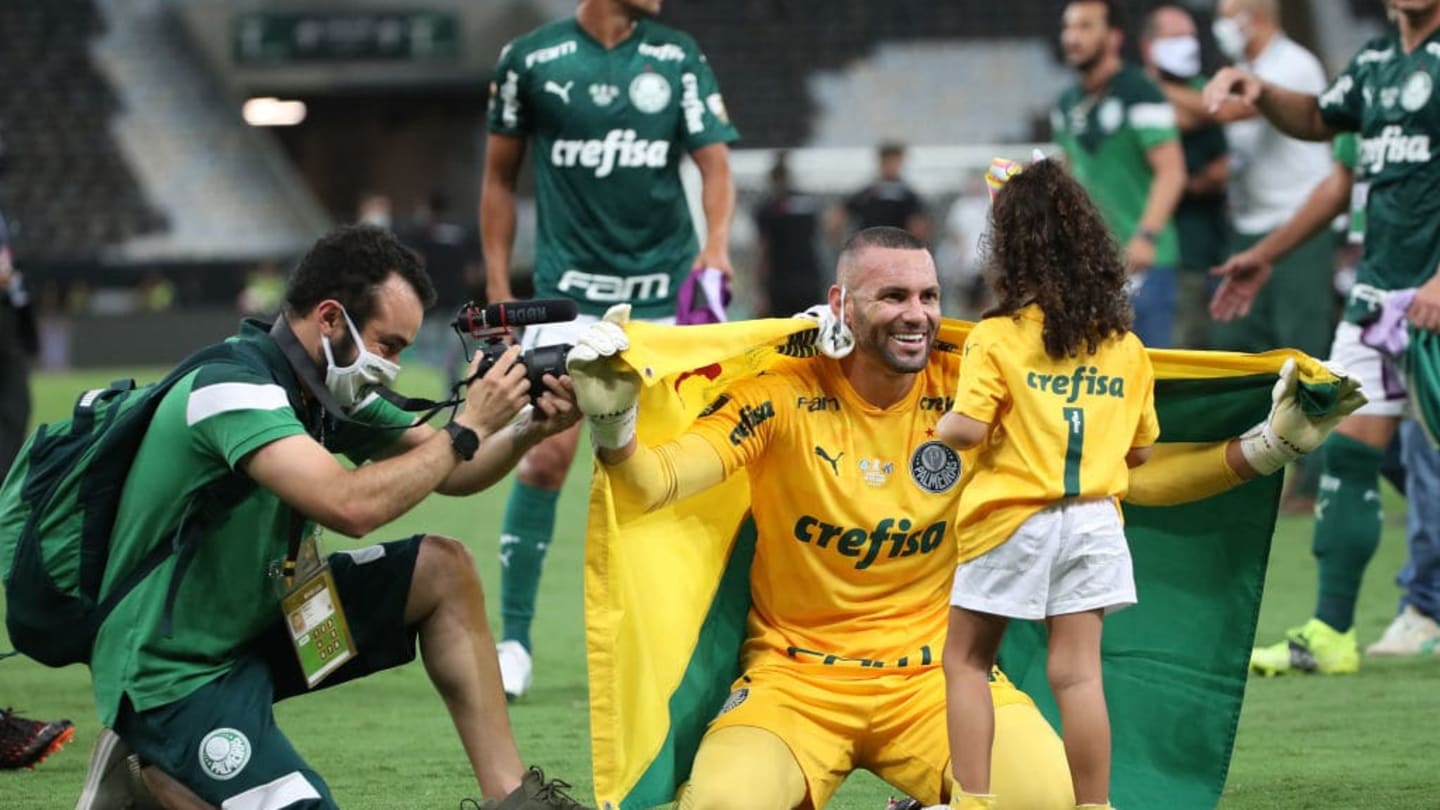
[314,616]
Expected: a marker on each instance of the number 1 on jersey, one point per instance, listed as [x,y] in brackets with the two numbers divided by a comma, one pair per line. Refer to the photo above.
[1074,446]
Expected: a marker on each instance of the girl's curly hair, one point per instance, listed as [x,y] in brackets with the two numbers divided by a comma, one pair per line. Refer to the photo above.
[1048,245]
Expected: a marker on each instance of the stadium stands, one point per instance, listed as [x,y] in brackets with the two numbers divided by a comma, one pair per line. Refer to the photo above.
[65,185]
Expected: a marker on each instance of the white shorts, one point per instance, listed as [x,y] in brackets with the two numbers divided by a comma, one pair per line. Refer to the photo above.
[1069,557]
[1381,383]
[550,334]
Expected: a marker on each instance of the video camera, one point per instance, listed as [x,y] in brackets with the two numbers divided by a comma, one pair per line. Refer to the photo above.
[492,324]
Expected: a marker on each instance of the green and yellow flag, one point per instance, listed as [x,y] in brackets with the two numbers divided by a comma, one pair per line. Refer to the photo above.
[666,594]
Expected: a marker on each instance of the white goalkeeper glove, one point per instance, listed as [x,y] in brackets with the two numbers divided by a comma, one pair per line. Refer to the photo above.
[1288,432]
[605,390]
[834,338]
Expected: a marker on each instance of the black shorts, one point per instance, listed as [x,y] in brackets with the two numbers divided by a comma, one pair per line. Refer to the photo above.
[222,742]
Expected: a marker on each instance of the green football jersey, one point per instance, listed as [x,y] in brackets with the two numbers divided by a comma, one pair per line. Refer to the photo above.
[1107,138]
[204,427]
[1387,98]
[607,129]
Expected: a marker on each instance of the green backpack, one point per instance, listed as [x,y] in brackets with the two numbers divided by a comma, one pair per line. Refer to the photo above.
[58,506]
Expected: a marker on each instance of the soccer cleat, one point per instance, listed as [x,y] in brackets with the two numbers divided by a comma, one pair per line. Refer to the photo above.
[904,804]
[1411,633]
[1314,647]
[26,743]
[515,668]
[535,793]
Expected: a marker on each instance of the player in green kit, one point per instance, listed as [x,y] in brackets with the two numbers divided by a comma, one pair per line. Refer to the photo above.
[1118,132]
[609,101]
[1387,95]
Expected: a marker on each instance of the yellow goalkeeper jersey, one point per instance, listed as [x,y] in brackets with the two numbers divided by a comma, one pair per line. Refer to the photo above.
[1061,429]
[853,505]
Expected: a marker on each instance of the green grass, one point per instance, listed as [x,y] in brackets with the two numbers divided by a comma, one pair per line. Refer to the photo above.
[386,742]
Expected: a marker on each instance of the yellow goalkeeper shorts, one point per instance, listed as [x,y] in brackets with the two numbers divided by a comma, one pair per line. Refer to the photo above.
[891,724]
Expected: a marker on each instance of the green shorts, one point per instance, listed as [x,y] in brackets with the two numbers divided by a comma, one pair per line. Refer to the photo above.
[222,741]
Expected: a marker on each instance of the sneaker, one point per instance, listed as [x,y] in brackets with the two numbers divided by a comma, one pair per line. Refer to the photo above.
[535,793]
[1411,633]
[515,668]
[113,781]
[26,743]
[1315,647]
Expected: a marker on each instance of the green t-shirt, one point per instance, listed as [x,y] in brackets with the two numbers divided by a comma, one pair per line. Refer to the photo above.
[204,427]
[1201,223]
[1388,99]
[607,130]
[1107,138]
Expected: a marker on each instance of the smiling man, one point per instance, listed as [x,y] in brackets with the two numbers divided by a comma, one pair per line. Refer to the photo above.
[853,498]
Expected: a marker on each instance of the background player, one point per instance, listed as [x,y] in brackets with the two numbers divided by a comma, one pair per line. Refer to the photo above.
[1386,95]
[611,100]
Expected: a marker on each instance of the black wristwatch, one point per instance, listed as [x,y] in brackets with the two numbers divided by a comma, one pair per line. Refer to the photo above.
[463,440]
[1147,234]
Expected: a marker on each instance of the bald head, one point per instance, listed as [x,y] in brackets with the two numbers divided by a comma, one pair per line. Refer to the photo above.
[849,268]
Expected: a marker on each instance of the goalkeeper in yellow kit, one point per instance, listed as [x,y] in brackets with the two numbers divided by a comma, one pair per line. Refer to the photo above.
[853,498]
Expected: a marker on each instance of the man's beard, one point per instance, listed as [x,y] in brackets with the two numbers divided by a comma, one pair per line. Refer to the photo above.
[1091,63]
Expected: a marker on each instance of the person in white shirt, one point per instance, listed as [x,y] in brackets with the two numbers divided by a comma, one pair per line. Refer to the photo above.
[1271,174]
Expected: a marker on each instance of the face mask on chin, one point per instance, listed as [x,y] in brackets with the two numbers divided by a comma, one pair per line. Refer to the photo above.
[1176,56]
[1231,36]
[349,384]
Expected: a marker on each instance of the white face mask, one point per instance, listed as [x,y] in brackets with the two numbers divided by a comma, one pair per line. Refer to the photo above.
[1231,36]
[1178,56]
[351,383]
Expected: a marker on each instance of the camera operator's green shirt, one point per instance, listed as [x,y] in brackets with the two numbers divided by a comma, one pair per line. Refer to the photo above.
[608,129]
[1107,138]
[1391,100]
[204,427]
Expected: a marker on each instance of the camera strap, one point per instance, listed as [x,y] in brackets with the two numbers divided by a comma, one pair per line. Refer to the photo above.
[309,377]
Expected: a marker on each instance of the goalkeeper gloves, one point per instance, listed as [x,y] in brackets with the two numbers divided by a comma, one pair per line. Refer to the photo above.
[1288,433]
[605,389]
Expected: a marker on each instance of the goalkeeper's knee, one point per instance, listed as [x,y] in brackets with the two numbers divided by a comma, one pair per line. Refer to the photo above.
[742,768]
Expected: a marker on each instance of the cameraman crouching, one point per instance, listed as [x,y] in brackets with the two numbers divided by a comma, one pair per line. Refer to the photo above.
[187,667]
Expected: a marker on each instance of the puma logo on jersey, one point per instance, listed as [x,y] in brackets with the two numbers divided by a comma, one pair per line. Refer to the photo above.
[619,148]
[834,462]
[563,91]
[1392,145]
[892,537]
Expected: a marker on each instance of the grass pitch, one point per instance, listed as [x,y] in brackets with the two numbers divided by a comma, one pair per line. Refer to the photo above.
[386,743]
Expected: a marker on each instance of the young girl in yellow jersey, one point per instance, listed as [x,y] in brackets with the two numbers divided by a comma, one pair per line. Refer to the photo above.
[1055,403]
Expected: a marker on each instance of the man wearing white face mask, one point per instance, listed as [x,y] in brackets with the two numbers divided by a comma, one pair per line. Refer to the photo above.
[1171,50]
[1271,174]
[188,664]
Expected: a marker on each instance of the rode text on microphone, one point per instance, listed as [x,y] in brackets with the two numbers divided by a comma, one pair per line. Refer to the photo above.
[491,325]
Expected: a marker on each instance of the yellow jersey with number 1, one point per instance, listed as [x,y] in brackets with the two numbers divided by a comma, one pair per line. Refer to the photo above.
[1060,428]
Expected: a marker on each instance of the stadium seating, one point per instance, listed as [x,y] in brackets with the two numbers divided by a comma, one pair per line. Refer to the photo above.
[65,186]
